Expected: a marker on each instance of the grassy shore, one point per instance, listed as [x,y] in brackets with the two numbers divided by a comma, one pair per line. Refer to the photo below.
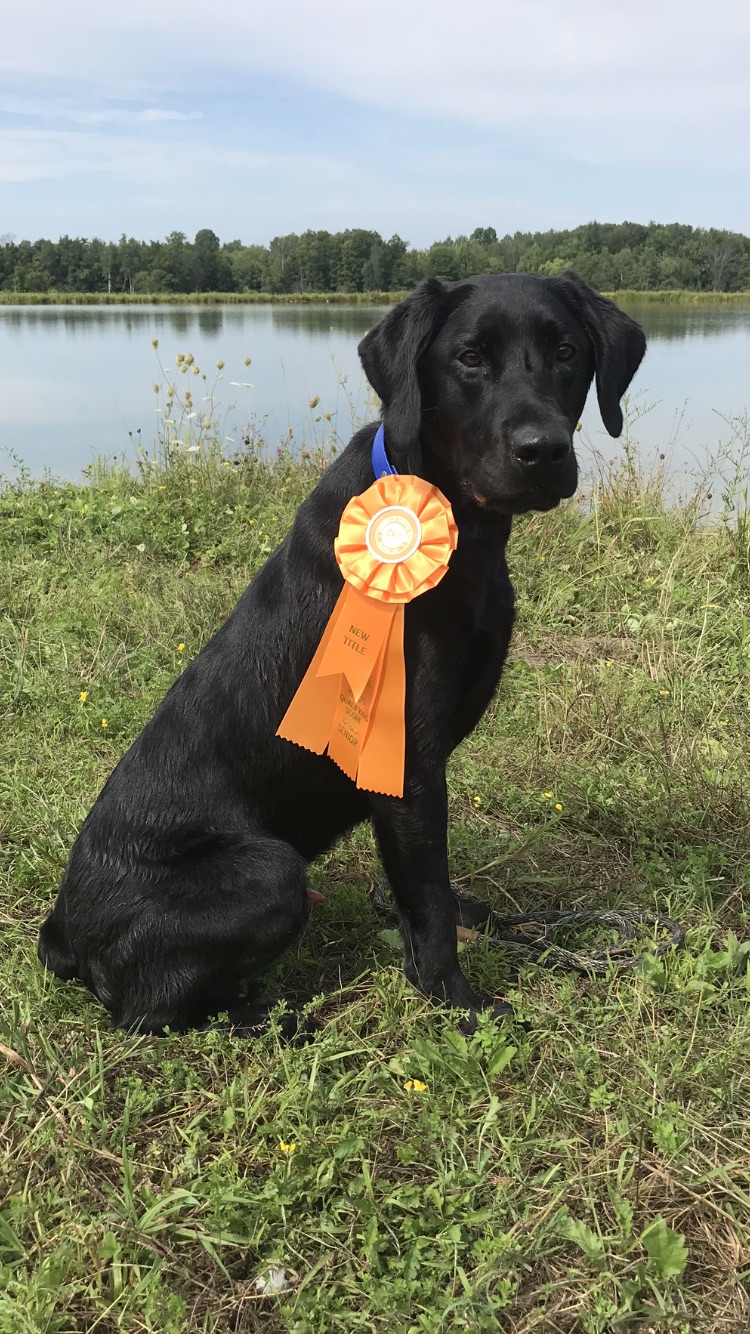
[589,1173]
[310,298]
[200,298]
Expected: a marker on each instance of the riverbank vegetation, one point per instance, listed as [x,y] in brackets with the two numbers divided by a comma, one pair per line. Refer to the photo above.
[587,1173]
[624,298]
[613,257]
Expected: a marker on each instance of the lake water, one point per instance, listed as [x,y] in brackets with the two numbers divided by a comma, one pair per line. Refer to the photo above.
[76,381]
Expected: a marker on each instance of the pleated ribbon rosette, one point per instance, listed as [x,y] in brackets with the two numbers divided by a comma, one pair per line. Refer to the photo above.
[394,542]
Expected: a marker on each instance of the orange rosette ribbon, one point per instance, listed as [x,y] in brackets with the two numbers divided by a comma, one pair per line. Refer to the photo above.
[394,542]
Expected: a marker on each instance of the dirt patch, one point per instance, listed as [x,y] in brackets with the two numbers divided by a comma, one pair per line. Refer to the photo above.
[549,650]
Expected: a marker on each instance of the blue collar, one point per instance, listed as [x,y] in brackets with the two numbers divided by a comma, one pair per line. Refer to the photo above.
[381,464]
[382,467]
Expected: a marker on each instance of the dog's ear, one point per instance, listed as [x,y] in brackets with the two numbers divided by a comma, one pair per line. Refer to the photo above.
[619,343]
[390,355]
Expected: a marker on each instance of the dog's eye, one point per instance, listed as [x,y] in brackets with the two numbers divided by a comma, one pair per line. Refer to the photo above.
[470,358]
[565,352]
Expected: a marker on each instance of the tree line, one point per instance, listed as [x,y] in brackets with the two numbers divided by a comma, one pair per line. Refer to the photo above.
[611,256]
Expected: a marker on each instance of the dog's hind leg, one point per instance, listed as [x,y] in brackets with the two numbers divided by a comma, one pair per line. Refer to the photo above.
[218,920]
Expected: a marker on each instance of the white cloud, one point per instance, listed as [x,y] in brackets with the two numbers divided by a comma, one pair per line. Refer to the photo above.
[499,97]
[486,63]
[75,112]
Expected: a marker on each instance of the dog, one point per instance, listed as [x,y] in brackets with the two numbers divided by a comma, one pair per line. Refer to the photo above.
[188,876]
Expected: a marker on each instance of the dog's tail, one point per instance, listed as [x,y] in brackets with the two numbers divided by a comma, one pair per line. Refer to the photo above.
[53,949]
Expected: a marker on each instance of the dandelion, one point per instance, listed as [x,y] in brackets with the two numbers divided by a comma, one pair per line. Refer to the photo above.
[558,805]
[180,648]
[83,696]
[287,1148]
[105,723]
[477,802]
[415,1086]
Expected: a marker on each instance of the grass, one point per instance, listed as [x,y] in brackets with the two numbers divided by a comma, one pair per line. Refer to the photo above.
[590,1173]
[310,298]
[199,298]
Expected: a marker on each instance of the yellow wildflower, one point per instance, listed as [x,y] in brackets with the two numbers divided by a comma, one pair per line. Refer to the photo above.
[663,692]
[83,696]
[287,1148]
[105,723]
[477,802]
[180,648]
[558,805]
[548,794]
[415,1086]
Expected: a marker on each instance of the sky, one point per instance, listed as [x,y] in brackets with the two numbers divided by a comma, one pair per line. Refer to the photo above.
[425,118]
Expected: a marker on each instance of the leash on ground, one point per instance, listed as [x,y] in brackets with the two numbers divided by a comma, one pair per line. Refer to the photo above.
[542,947]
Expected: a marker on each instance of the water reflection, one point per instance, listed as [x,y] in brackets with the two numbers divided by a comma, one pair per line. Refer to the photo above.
[77,380]
[682,321]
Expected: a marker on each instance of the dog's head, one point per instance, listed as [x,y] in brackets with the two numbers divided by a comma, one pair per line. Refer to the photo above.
[492,374]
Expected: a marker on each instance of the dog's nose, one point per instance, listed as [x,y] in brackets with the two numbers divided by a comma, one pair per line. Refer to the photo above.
[536,448]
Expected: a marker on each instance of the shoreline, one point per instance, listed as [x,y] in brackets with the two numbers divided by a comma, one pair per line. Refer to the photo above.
[626,297]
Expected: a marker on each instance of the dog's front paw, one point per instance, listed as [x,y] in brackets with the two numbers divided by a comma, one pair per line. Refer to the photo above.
[497,1010]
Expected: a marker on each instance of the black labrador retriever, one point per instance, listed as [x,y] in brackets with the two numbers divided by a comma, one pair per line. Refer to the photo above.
[188,876]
